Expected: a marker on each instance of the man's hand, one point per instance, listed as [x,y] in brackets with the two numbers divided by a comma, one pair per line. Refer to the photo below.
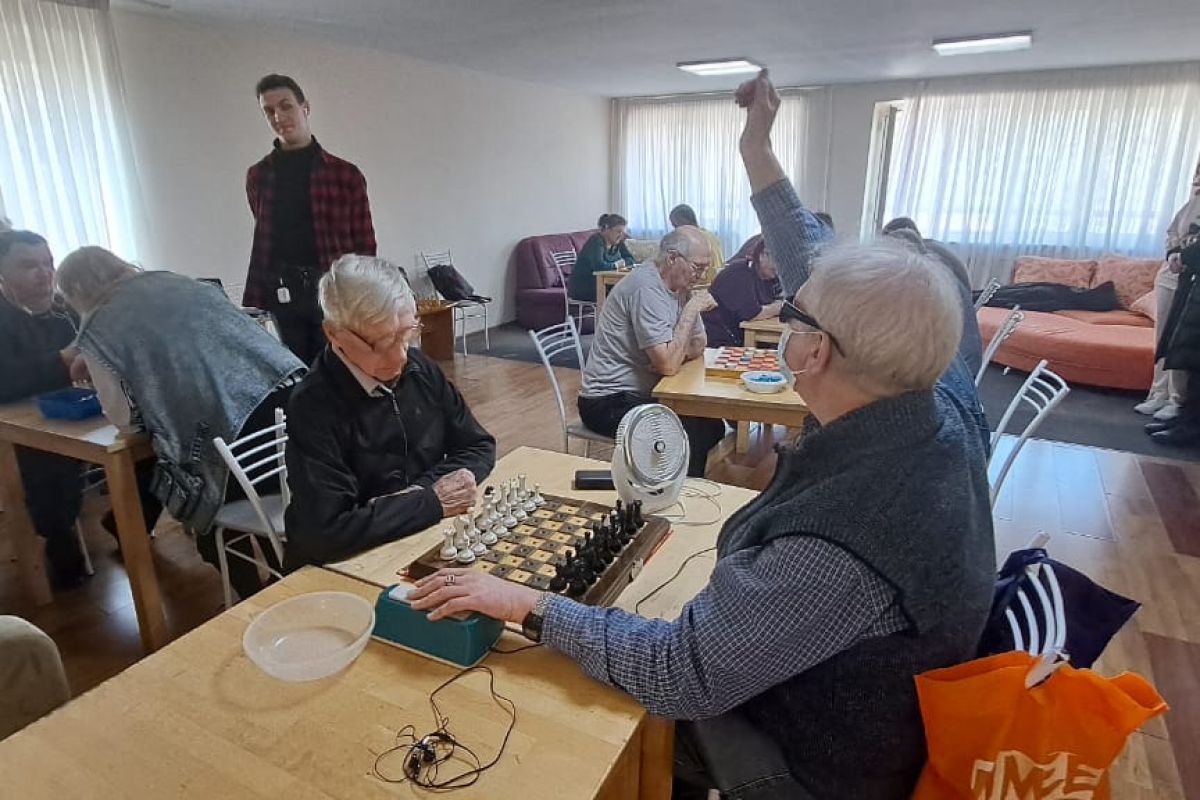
[761,101]
[452,591]
[456,492]
[386,361]
[79,371]
[702,301]
[68,356]
[1175,263]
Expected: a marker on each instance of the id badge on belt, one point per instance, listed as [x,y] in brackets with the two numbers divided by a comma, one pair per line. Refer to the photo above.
[283,294]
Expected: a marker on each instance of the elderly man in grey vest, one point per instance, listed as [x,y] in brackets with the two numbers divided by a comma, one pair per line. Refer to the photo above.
[867,560]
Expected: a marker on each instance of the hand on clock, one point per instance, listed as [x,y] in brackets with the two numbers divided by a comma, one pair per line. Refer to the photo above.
[452,591]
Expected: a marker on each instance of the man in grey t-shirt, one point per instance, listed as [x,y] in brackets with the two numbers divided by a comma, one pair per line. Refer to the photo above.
[649,326]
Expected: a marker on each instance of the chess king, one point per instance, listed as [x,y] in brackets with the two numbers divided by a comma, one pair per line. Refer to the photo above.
[868,559]
[380,445]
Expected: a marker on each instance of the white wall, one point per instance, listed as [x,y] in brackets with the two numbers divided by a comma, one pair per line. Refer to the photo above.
[452,158]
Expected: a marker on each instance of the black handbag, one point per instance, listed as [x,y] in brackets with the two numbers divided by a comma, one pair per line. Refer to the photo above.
[452,285]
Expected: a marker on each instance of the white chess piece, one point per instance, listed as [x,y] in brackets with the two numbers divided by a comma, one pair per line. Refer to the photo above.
[514,507]
[522,492]
[449,550]
[490,517]
[538,500]
[477,546]
[488,537]
[499,531]
[461,540]
[465,556]
[510,517]
[502,503]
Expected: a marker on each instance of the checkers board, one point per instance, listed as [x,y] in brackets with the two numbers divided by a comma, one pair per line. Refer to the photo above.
[530,551]
[733,362]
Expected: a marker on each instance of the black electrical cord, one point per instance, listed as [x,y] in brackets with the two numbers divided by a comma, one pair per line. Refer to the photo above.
[638,605]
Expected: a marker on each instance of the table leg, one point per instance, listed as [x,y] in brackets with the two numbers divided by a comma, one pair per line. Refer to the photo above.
[27,545]
[658,757]
[135,550]
[601,293]
[743,437]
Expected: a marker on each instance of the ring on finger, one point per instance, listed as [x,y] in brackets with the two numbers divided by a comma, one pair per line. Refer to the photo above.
[448,580]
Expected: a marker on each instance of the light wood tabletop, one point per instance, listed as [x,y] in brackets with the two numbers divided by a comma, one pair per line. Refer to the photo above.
[692,393]
[92,441]
[605,280]
[761,332]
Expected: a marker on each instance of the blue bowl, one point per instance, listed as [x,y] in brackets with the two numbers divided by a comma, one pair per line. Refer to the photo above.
[70,403]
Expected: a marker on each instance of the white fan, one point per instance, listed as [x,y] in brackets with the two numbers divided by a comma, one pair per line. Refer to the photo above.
[650,458]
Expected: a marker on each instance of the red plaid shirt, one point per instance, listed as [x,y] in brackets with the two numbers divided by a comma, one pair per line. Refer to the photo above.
[341,219]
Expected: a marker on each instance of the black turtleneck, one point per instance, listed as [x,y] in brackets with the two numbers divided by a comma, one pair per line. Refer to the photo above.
[293,241]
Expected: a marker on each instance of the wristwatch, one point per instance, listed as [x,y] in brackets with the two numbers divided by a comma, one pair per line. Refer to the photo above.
[531,626]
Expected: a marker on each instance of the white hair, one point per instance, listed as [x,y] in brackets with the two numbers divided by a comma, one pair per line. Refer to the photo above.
[896,314]
[361,291]
[681,240]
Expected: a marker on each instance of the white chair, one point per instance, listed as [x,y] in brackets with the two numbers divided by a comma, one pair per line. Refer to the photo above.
[1047,638]
[253,459]
[550,342]
[583,308]
[1010,323]
[1043,390]
[463,310]
[987,293]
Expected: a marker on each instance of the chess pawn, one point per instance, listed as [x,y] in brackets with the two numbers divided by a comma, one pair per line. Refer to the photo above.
[499,531]
[449,549]
[465,556]
[472,528]
[538,500]
[522,491]
[461,540]
[502,504]
[514,504]
[529,505]
[490,517]
[486,535]
[477,545]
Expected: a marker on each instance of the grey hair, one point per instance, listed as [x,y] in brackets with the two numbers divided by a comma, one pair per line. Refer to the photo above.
[896,314]
[677,241]
[360,291]
[88,276]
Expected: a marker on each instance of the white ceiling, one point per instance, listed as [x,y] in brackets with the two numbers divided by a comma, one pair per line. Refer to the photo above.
[630,47]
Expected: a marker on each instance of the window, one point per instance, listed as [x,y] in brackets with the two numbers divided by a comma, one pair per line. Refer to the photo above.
[65,157]
[1075,163]
[685,150]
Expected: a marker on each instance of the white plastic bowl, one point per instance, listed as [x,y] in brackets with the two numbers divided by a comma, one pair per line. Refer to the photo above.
[762,382]
[311,636]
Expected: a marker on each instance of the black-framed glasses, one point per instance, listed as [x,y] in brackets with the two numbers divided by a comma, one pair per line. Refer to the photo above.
[790,312]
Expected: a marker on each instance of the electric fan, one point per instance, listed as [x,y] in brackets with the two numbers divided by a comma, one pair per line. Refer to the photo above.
[650,458]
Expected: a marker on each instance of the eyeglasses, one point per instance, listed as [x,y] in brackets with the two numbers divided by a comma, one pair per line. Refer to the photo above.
[699,269]
[790,312]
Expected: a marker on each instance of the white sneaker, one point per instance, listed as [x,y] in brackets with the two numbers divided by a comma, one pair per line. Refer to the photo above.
[1150,405]
[1167,412]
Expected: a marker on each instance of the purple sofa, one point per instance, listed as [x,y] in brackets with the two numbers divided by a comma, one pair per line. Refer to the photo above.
[539,293]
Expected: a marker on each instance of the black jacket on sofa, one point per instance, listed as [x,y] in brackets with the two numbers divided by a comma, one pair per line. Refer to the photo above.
[361,468]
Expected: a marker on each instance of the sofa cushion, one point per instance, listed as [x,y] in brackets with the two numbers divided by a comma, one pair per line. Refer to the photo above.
[1132,277]
[535,268]
[1147,305]
[1118,317]
[1117,356]
[1069,272]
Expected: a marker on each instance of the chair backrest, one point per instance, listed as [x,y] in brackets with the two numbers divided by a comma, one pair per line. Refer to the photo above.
[560,259]
[1040,628]
[1010,323]
[1043,390]
[255,458]
[433,258]
[987,293]
[550,342]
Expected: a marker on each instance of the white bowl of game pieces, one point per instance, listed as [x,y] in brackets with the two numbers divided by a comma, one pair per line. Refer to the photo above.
[762,382]
[310,636]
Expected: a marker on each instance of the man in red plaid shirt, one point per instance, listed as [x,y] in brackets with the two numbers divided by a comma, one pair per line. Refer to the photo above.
[309,207]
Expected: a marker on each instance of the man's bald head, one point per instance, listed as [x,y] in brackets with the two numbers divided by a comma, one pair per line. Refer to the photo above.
[684,256]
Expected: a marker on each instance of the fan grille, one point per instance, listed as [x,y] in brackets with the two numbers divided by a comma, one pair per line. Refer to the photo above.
[655,445]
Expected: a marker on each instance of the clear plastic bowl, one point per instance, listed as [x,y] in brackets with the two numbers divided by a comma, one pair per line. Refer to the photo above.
[311,636]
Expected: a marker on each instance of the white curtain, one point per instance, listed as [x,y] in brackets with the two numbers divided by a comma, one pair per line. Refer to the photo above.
[1075,163]
[684,149]
[66,166]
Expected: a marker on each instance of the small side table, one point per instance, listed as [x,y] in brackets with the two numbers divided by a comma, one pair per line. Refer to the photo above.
[437,334]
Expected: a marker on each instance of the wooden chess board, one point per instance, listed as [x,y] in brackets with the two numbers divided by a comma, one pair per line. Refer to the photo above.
[733,362]
[531,550]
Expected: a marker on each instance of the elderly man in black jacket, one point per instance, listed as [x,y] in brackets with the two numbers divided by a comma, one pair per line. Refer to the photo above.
[380,444]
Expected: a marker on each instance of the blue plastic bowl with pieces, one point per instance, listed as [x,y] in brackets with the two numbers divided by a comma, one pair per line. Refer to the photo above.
[71,403]
[763,382]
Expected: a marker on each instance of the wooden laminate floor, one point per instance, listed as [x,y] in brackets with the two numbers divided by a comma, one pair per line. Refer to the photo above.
[1130,522]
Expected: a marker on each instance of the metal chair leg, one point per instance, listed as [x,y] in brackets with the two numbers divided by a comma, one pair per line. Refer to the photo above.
[83,548]
[487,339]
[223,561]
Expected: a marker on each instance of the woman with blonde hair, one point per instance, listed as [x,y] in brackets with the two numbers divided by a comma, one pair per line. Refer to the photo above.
[173,357]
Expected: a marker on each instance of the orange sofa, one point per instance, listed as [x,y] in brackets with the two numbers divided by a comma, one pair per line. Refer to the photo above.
[1110,348]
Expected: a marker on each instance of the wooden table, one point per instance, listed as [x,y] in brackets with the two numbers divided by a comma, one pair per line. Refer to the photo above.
[555,473]
[762,332]
[97,442]
[605,280]
[437,334]
[691,393]
[198,719]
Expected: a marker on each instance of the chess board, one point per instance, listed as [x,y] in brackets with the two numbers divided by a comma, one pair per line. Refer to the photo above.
[733,362]
[531,550]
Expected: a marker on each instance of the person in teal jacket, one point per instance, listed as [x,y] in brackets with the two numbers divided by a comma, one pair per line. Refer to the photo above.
[603,251]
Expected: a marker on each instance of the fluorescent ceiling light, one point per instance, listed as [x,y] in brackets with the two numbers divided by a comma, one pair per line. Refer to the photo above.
[724,66]
[989,43]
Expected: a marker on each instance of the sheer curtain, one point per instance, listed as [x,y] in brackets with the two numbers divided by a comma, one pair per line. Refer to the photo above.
[1076,163]
[684,149]
[66,166]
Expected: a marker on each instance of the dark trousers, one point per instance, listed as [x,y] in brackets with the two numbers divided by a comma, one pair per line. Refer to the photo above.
[604,414]
[53,496]
[729,754]
[243,575]
[299,319]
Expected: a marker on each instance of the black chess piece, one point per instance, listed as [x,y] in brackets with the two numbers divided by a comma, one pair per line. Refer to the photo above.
[638,522]
[560,579]
[577,586]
